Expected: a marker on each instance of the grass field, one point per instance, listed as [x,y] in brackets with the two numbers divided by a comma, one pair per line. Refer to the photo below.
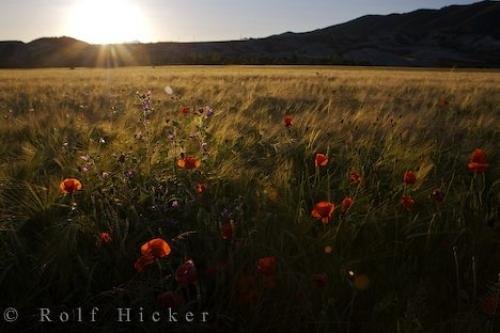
[243,219]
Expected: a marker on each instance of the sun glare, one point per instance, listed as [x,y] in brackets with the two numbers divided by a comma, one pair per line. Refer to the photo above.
[107,21]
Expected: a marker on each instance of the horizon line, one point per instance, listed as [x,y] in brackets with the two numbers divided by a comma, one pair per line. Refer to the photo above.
[233,40]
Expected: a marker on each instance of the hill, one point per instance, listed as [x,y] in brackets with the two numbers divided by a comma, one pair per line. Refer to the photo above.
[458,35]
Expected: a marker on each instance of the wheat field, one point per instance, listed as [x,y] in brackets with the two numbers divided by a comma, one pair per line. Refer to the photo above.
[241,224]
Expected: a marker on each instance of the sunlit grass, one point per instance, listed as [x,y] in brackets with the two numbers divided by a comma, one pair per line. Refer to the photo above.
[260,176]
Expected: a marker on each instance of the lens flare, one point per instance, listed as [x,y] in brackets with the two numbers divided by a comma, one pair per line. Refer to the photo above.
[107,22]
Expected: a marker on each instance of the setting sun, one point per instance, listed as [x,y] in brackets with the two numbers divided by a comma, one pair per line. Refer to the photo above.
[107,21]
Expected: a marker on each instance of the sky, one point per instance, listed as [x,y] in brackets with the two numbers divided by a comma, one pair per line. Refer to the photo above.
[107,21]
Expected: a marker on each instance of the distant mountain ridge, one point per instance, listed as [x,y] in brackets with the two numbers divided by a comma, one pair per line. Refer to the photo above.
[457,35]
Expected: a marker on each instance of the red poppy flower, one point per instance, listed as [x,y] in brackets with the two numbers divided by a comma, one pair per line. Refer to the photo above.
[407,202]
[267,265]
[189,163]
[320,280]
[437,195]
[70,185]
[355,178]
[184,110]
[478,162]
[320,160]
[346,204]
[105,238]
[186,273]
[170,299]
[156,248]
[227,231]
[200,188]
[491,305]
[288,120]
[409,178]
[323,211]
